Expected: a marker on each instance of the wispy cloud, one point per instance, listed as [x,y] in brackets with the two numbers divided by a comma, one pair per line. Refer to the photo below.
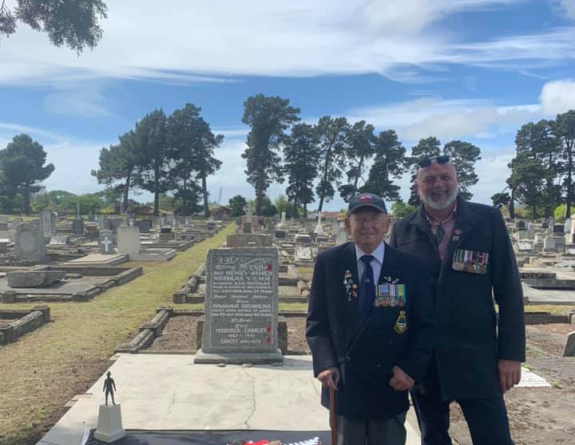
[565,7]
[215,41]
[8,129]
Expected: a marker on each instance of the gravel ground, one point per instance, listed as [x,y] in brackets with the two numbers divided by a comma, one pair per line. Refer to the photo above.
[180,335]
[539,415]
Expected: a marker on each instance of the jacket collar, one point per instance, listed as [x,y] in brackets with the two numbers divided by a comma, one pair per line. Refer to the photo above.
[465,216]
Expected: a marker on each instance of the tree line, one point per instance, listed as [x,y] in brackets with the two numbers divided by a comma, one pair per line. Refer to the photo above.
[543,167]
[163,154]
[334,155]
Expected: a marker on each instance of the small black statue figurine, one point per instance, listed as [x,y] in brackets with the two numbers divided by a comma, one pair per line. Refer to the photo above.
[109,387]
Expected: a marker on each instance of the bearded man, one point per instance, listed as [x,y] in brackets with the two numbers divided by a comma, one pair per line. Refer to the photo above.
[477,354]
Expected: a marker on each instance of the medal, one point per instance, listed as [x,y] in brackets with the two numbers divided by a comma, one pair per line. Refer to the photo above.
[401,323]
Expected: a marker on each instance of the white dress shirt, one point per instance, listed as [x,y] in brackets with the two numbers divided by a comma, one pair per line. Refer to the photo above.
[376,262]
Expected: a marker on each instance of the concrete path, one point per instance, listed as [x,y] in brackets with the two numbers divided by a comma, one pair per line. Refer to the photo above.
[170,392]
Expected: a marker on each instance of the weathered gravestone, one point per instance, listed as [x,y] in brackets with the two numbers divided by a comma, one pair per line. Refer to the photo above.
[248,240]
[341,236]
[59,240]
[106,242]
[569,350]
[48,223]
[29,243]
[145,225]
[3,224]
[78,227]
[241,308]
[128,239]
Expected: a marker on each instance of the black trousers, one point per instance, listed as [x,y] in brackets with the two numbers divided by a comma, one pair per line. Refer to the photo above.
[486,417]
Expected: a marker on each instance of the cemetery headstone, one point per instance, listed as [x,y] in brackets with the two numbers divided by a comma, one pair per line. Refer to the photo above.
[281,234]
[128,239]
[3,224]
[241,308]
[78,227]
[48,223]
[303,253]
[106,242]
[558,228]
[248,240]
[29,243]
[341,236]
[145,225]
[318,228]
[569,350]
[59,240]
[520,225]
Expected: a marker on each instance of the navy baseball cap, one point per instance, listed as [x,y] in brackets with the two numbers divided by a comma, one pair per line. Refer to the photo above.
[366,200]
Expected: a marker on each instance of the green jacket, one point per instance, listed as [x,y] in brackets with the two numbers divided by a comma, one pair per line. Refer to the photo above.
[479,266]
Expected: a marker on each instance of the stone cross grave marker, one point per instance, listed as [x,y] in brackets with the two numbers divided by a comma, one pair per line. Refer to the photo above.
[241,309]
[30,244]
[106,242]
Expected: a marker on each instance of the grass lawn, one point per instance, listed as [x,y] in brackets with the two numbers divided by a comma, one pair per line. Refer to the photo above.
[43,370]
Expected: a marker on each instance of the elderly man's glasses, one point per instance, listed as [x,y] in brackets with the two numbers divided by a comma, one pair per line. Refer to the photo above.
[439,159]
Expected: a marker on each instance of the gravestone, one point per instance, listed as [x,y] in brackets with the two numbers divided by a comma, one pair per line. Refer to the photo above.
[303,239]
[282,224]
[16,222]
[520,225]
[341,236]
[48,223]
[318,228]
[145,225]
[248,240]
[59,240]
[559,229]
[569,350]
[78,227]
[241,308]
[281,234]
[303,253]
[166,234]
[3,225]
[106,242]
[128,239]
[29,243]
[545,225]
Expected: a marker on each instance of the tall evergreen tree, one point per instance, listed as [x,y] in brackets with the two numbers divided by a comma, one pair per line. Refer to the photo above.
[539,141]
[191,144]
[360,148]
[333,137]
[464,155]
[118,163]
[269,118]
[425,148]
[22,168]
[301,156]
[564,130]
[389,164]
[154,169]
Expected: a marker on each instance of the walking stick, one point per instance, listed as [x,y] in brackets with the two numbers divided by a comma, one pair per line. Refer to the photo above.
[332,417]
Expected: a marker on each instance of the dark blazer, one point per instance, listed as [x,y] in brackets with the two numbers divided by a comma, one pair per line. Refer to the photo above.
[366,351]
[467,346]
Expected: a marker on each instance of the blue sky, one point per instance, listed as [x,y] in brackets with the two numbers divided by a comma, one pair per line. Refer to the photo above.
[474,70]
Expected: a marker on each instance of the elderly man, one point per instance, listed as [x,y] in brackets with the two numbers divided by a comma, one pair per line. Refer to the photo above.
[369,327]
[476,358]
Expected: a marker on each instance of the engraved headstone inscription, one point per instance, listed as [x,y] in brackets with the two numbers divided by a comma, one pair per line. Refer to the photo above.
[241,308]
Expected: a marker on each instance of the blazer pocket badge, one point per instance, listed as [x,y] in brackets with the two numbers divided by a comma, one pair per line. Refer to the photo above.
[350,286]
[390,295]
[470,261]
[401,323]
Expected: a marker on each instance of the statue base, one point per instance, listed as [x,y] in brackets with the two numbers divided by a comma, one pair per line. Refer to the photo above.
[110,424]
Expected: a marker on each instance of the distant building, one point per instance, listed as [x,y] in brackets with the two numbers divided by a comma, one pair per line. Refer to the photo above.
[218,211]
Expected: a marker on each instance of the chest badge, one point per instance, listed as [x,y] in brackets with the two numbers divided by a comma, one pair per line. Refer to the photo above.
[350,286]
[401,323]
